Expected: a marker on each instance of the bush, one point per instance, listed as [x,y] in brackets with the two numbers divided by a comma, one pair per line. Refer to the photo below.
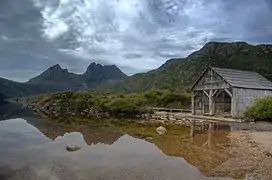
[123,107]
[260,110]
[167,99]
[175,100]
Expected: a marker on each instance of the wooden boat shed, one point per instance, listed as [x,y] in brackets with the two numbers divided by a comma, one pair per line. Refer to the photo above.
[227,92]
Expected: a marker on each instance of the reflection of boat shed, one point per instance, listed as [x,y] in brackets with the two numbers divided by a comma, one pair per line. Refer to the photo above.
[227,91]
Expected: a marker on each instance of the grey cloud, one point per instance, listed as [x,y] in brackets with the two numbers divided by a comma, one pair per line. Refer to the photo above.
[133,55]
[136,35]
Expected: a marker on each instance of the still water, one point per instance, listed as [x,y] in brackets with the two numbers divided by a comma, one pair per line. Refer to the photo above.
[33,148]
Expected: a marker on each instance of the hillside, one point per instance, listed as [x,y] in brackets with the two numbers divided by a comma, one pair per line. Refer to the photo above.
[180,73]
[60,79]
[56,79]
[11,88]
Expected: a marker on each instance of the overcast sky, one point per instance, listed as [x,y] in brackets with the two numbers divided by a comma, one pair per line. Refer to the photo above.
[135,35]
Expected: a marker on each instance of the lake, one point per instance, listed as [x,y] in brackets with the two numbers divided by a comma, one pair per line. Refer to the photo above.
[34,148]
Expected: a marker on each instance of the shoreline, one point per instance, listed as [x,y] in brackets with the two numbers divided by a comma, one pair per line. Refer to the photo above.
[251,156]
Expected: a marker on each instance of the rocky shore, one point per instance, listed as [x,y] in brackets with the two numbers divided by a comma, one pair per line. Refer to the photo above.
[251,155]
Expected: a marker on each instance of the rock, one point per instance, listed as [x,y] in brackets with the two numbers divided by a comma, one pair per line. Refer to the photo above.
[164,118]
[161,130]
[172,119]
[72,147]
[180,122]
[160,121]
[149,138]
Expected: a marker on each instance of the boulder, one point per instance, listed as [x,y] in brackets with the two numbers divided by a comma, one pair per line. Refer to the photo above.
[161,130]
[72,147]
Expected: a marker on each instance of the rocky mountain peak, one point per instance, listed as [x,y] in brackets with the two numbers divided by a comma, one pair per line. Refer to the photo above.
[57,68]
[99,71]
[54,73]
[94,67]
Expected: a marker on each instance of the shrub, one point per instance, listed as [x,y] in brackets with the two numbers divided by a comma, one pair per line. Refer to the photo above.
[123,107]
[260,110]
[167,98]
[175,100]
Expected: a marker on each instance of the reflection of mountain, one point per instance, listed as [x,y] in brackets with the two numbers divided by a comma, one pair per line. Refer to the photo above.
[200,146]
[91,135]
[99,136]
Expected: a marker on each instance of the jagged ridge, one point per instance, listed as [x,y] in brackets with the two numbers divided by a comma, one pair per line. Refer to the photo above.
[57,79]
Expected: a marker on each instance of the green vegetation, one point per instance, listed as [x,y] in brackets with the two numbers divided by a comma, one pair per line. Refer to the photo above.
[261,109]
[181,73]
[97,104]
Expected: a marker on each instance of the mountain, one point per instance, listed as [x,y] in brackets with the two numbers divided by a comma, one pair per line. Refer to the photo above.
[98,74]
[11,88]
[181,73]
[57,79]
[61,79]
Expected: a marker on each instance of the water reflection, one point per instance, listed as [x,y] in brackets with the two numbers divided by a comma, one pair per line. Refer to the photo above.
[32,155]
[36,148]
[13,111]
[51,130]
[205,146]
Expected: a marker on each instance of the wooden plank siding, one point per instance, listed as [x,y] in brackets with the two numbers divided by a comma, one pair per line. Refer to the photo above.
[225,90]
[243,97]
[211,80]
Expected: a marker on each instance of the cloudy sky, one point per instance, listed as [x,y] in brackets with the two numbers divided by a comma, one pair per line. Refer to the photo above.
[135,35]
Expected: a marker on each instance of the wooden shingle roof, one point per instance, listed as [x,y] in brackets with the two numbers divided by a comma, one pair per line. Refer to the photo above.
[243,79]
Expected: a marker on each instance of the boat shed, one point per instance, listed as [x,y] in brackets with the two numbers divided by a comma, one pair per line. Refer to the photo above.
[227,91]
